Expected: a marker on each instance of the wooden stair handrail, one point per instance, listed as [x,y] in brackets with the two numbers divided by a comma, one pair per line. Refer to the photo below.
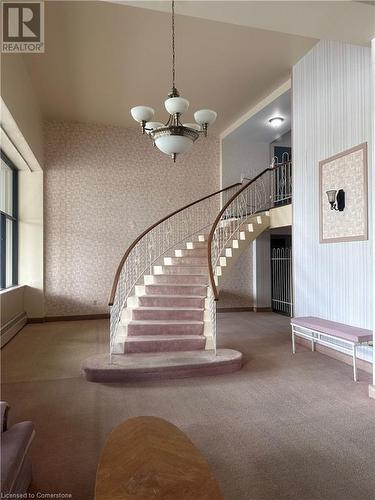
[214,225]
[123,260]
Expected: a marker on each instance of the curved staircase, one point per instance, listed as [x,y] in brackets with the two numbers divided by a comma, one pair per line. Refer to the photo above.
[166,314]
[163,301]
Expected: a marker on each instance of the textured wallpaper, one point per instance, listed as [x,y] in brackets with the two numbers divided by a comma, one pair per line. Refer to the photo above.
[103,186]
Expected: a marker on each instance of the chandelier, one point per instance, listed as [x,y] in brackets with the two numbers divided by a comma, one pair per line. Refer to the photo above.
[173,137]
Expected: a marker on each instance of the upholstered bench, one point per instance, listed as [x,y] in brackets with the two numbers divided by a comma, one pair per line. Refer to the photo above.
[327,333]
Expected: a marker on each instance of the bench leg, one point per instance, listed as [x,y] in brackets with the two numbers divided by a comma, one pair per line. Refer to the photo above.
[312,345]
[293,342]
[355,363]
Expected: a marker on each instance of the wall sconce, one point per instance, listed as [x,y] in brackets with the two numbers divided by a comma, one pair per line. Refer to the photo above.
[336,199]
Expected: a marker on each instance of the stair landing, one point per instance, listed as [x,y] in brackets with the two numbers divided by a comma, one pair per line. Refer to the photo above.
[157,366]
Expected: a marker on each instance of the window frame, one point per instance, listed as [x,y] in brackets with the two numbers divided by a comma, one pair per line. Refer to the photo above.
[14,218]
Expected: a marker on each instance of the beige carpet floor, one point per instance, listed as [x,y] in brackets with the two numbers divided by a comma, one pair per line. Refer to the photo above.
[284,427]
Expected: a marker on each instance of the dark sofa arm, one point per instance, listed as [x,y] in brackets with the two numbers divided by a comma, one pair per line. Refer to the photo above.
[4,408]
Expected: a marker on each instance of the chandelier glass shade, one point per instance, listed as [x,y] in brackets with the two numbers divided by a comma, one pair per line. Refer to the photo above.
[173,137]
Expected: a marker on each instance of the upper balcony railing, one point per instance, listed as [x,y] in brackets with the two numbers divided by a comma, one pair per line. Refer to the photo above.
[281,187]
[269,189]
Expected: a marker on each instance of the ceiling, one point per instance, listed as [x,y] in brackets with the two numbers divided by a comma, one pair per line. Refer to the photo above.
[102,58]
[257,128]
[345,21]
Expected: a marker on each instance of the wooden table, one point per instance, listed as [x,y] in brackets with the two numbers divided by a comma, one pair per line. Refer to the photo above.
[149,458]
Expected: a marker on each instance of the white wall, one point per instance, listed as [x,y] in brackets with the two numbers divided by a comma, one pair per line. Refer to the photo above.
[331,113]
[21,101]
[23,141]
[12,313]
[30,247]
[241,156]
[246,150]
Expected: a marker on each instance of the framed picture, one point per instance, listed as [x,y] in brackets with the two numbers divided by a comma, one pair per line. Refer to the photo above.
[343,196]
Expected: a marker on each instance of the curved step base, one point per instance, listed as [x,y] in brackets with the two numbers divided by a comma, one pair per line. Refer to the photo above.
[155,366]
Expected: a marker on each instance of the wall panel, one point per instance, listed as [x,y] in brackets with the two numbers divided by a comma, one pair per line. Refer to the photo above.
[331,113]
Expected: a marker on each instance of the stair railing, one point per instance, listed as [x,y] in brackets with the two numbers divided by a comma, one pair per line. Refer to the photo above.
[282,180]
[253,197]
[172,230]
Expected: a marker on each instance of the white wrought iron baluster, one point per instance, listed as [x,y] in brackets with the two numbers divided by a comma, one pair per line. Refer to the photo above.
[177,229]
[238,215]
[212,313]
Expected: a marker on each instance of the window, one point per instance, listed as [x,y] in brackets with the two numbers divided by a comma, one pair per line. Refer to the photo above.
[8,223]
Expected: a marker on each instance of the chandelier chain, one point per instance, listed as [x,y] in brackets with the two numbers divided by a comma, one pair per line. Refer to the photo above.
[173,51]
[173,137]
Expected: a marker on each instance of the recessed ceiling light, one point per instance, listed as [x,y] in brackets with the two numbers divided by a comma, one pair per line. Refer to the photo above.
[276,121]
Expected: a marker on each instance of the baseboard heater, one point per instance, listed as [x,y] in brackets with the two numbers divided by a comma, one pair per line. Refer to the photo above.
[12,327]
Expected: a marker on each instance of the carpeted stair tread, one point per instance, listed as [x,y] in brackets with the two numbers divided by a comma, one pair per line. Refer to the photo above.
[160,296]
[152,338]
[164,321]
[143,366]
[159,308]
